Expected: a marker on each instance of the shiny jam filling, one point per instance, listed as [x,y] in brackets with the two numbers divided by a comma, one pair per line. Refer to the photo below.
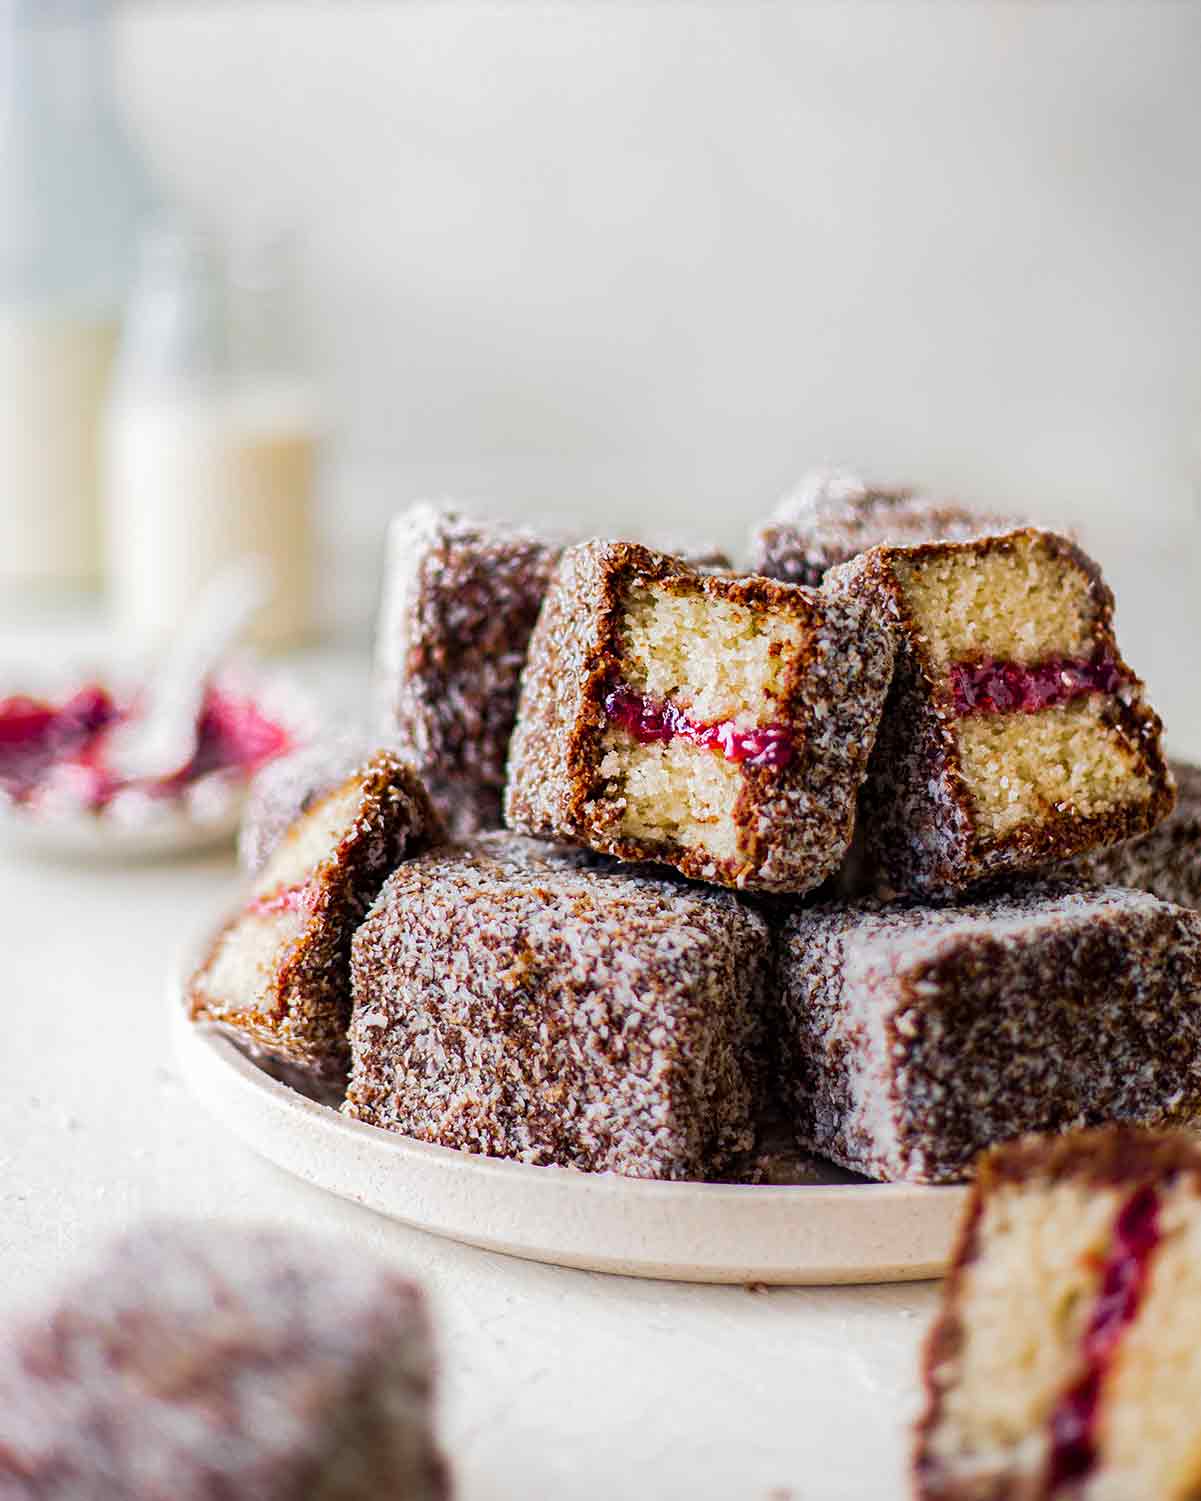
[652,721]
[63,744]
[1123,1281]
[991,687]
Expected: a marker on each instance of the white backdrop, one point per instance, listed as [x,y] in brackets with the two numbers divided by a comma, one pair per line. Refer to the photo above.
[664,255]
[642,263]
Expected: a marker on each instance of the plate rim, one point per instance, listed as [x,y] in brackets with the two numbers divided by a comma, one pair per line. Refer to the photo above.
[206,1053]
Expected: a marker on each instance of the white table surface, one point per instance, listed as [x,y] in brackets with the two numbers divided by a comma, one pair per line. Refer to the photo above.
[554,1382]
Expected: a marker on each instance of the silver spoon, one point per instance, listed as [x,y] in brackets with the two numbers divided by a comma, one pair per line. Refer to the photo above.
[159,739]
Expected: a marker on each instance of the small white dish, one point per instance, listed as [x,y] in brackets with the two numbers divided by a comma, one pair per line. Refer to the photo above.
[169,832]
[820,1232]
[133,825]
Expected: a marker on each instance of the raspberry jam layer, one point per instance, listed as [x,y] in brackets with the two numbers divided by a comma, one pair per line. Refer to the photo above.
[651,721]
[44,745]
[1123,1282]
[991,687]
[282,899]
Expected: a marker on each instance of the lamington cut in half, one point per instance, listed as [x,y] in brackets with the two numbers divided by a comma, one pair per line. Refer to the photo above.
[288,786]
[277,976]
[720,725]
[1065,1364]
[1014,734]
[914,1037]
[222,1364]
[511,1001]
[833,516]
[459,603]
[1165,862]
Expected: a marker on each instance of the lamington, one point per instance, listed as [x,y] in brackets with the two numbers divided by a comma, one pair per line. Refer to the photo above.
[1165,862]
[277,976]
[1014,735]
[222,1364]
[705,557]
[518,1000]
[1066,1358]
[459,603]
[288,787]
[834,515]
[913,1037]
[720,725]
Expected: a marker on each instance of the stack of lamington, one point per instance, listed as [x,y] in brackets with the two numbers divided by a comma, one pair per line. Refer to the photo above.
[831,837]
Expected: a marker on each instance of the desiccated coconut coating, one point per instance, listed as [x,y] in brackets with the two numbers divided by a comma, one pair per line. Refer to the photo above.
[1165,862]
[705,557]
[510,1002]
[215,1364]
[914,1037]
[778,1160]
[289,786]
[460,599]
[277,975]
[833,516]
[1065,1360]
[1014,734]
[703,789]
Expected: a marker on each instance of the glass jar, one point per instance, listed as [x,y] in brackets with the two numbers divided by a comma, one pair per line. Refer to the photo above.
[211,441]
[72,195]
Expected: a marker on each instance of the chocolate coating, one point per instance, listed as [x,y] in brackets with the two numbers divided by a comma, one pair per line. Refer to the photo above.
[511,1001]
[289,786]
[460,601]
[915,1037]
[299,1017]
[212,1364]
[795,821]
[1108,1156]
[833,516]
[1165,862]
[917,812]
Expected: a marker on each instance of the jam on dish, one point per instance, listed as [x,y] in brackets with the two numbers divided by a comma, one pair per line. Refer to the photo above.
[47,747]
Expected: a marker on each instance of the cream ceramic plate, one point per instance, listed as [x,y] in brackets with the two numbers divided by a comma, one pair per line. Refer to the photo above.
[133,826]
[815,1232]
[171,832]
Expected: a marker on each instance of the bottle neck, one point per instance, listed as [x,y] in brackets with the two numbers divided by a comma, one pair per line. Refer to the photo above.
[72,190]
[56,61]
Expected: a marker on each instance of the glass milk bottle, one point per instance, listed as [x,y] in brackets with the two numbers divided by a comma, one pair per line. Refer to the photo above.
[211,445]
[164,442]
[71,196]
[273,430]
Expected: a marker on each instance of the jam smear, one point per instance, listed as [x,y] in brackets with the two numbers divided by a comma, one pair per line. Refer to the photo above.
[46,746]
[991,687]
[651,720]
[36,736]
[1136,1234]
[234,731]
